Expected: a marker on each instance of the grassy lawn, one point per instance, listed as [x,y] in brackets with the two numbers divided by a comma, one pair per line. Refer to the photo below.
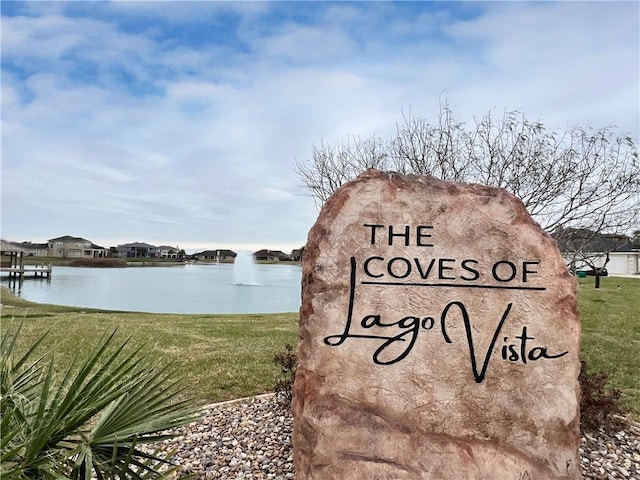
[223,357]
[611,333]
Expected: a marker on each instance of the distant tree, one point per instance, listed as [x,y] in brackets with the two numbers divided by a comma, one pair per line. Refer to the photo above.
[297,254]
[581,178]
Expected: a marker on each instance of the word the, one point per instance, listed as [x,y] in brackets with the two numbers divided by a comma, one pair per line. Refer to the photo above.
[418,236]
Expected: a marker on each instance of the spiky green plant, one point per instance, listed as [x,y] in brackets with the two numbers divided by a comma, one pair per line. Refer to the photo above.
[96,419]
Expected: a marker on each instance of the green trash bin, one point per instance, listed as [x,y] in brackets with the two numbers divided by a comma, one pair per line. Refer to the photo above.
[582,274]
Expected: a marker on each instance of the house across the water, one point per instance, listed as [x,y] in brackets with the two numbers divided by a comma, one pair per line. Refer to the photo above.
[221,255]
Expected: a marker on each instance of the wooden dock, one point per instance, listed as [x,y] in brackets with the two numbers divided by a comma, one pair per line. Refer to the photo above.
[37,271]
[12,263]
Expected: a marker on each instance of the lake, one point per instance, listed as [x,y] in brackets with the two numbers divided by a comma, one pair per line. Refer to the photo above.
[189,288]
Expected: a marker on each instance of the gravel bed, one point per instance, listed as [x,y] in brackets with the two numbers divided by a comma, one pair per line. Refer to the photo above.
[251,439]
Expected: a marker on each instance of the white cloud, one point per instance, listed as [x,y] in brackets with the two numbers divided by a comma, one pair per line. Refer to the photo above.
[305,44]
[557,60]
[136,132]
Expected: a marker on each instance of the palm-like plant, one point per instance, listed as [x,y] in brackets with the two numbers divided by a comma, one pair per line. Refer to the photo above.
[93,420]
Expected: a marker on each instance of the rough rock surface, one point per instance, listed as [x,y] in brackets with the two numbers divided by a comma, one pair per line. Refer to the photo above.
[439,338]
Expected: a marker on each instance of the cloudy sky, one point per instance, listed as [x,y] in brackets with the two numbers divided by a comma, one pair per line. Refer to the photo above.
[179,123]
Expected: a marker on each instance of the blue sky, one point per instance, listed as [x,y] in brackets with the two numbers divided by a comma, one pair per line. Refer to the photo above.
[179,123]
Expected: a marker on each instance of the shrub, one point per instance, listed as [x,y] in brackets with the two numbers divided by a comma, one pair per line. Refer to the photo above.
[98,262]
[288,362]
[93,420]
[598,404]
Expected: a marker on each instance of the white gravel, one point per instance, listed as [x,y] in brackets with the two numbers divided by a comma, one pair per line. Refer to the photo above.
[251,439]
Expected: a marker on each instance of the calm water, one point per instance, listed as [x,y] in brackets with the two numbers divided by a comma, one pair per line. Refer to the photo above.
[191,288]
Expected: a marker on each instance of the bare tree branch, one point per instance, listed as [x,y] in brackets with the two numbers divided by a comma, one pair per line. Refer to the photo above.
[332,166]
[581,178]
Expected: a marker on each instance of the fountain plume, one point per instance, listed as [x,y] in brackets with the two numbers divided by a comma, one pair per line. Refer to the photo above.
[244,269]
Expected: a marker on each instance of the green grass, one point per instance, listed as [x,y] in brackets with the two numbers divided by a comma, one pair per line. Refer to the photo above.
[611,333]
[223,357]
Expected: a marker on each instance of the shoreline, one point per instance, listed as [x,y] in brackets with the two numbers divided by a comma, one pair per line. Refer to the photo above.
[122,262]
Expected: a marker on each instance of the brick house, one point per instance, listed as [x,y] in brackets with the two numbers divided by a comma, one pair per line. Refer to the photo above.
[137,250]
[74,247]
[270,255]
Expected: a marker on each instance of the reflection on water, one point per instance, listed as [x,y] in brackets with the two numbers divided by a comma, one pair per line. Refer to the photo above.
[190,288]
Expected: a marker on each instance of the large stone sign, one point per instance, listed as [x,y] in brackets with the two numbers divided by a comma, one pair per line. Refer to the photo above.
[439,338]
